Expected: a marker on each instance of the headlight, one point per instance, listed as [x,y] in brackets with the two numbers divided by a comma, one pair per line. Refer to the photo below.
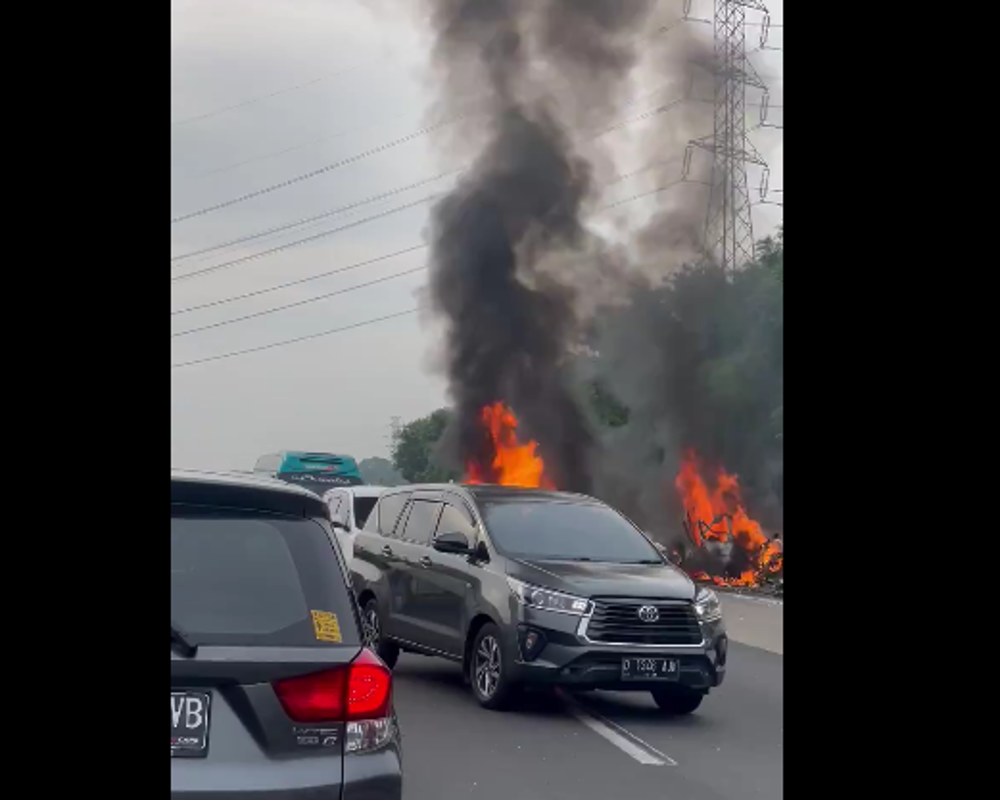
[537,597]
[707,606]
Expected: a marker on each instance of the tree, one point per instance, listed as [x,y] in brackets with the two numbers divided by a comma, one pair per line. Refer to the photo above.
[695,361]
[415,448]
[608,409]
[377,471]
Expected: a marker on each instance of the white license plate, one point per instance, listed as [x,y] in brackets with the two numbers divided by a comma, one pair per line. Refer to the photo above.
[189,724]
[650,669]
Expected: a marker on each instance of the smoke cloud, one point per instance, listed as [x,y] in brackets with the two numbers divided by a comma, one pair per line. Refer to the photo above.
[511,322]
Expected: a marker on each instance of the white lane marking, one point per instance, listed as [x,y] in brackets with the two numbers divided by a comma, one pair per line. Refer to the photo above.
[624,740]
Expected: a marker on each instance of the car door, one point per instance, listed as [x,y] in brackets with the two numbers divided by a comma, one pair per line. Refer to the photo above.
[376,562]
[410,585]
[449,579]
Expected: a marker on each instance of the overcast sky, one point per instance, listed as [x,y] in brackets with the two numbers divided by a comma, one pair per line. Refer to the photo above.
[361,73]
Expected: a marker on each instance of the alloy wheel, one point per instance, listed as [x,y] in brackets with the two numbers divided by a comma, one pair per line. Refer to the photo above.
[488,666]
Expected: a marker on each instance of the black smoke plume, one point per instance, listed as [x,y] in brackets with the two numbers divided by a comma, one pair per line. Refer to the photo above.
[511,322]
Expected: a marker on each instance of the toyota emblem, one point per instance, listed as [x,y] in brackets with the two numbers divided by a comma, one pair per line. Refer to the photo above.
[649,613]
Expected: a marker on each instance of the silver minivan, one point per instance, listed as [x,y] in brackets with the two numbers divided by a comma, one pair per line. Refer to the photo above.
[272,691]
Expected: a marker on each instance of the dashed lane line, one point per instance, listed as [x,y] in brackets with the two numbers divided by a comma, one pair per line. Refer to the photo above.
[624,740]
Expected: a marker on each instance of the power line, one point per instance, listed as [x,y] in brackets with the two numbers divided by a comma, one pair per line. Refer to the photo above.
[414,248]
[388,145]
[343,291]
[226,264]
[323,215]
[298,303]
[289,284]
[261,98]
[254,256]
[316,172]
[338,134]
[297,339]
[318,140]
[395,275]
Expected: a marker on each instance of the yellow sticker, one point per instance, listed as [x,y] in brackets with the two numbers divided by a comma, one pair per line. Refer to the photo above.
[326,626]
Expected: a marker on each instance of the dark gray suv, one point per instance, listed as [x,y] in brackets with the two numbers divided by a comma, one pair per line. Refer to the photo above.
[272,693]
[523,587]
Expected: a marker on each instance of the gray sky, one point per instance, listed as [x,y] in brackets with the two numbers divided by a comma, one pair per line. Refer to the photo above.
[337,392]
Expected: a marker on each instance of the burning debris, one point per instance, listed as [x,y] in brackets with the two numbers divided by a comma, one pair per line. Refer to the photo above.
[729,548]
[512,463]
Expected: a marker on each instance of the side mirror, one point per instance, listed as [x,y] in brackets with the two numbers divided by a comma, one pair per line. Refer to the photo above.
[453,543]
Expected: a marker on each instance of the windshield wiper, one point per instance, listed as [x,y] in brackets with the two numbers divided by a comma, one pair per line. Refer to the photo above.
[647,561]
[182,642]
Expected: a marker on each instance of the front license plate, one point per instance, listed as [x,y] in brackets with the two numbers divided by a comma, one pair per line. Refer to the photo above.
[650,669]
[188,724]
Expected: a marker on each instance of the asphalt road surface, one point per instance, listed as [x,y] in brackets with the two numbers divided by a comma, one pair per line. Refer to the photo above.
[597,745]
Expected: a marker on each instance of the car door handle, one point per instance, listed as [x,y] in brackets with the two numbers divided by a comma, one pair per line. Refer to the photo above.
[425,562]
[386,550]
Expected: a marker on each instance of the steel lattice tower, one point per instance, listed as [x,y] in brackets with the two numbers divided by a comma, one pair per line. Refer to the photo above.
[729,228]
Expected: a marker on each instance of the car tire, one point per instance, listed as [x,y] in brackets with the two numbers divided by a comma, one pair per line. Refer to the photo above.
[387,651]
[678,700]
[488,672]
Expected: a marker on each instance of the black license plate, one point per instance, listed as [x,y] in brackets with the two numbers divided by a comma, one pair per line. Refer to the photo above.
[650,669]
[189,724]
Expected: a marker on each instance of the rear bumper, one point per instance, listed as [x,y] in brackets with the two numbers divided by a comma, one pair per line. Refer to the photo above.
[569,659]
[367,776]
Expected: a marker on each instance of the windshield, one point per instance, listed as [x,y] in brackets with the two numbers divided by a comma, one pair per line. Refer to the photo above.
[567,532]
[242,578]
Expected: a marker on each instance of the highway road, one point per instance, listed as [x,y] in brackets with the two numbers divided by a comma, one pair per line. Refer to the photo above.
[600,745]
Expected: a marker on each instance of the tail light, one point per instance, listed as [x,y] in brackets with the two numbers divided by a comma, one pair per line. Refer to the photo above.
[361,690]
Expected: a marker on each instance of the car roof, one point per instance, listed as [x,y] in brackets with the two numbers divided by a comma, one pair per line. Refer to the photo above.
[366,491]
[244,491]
[359,491]
[492,493]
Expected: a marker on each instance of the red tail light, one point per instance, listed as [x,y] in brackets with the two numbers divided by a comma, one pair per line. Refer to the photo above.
[361,690]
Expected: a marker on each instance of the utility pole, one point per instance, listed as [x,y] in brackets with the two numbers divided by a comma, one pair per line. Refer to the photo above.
[728,227]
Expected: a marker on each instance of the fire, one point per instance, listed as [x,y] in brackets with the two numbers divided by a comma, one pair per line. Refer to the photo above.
[513,464]
[719,515]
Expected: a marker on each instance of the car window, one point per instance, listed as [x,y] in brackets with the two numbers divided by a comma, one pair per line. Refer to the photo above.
[253,579]
[422,521]
[362,510]
[566,531]
[389,509]
[455,521]
[371,524]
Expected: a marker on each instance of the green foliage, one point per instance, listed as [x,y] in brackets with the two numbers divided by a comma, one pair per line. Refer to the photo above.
[414,448]
[377,471]
[701,356]
[608,408]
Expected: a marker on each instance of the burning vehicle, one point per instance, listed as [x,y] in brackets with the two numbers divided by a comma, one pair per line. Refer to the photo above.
[727,546]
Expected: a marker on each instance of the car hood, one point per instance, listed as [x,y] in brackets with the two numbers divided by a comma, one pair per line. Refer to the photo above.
[600,579]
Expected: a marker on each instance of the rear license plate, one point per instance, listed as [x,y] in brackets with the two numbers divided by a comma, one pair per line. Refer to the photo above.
[188,724]
[650,669]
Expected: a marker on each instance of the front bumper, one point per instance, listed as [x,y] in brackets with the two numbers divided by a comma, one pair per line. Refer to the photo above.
[569,658]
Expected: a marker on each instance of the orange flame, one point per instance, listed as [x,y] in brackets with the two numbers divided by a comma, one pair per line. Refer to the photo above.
[719,515]
[513,464]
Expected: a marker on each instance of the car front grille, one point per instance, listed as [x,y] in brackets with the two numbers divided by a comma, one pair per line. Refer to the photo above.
[619,621]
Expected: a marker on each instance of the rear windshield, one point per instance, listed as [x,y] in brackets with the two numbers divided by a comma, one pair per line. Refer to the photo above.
[362,508]
[244,578]
[566,531]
